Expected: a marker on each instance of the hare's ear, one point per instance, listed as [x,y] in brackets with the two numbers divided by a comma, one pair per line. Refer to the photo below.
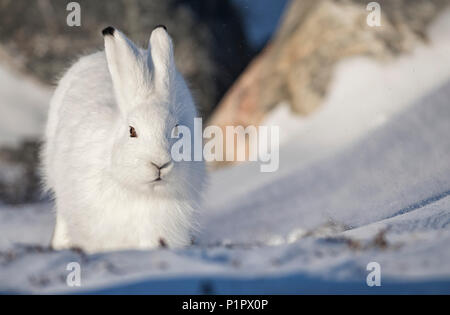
[161,60]
[128,70]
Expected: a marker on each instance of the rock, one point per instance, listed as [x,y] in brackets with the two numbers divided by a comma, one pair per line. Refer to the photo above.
[210,45]
[19,178]
[297,64]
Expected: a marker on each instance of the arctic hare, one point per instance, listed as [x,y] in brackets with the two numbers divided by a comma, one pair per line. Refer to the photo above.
[107,151]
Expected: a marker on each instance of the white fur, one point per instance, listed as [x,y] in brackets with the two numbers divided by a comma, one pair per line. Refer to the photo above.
[100,176]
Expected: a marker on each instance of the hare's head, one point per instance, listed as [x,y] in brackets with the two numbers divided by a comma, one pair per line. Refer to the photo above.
[153,100]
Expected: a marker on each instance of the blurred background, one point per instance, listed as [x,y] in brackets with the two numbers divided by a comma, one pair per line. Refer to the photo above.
[214,42]
[363,113]
[281,57]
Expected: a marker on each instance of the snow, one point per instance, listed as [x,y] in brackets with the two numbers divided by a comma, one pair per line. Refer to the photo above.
[363,96]
[351,190]
[22,114]
[397,166]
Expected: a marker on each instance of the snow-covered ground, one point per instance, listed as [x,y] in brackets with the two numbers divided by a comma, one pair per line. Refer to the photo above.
[371,185]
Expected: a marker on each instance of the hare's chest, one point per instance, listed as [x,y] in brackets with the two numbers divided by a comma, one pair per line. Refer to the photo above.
[126,225]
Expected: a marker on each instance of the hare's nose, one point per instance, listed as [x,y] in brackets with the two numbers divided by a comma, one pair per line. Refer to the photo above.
[161,166]
[163,169]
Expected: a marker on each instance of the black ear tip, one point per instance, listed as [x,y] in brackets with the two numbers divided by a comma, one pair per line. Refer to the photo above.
[161,25]
[108,31]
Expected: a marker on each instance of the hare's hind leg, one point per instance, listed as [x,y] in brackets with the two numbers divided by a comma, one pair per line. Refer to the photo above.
[60,238]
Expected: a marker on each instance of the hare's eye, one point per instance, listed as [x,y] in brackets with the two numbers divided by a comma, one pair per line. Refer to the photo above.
[133,133]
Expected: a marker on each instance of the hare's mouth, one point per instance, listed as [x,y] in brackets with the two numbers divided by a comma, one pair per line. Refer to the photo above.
[158,185]
[156,180]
